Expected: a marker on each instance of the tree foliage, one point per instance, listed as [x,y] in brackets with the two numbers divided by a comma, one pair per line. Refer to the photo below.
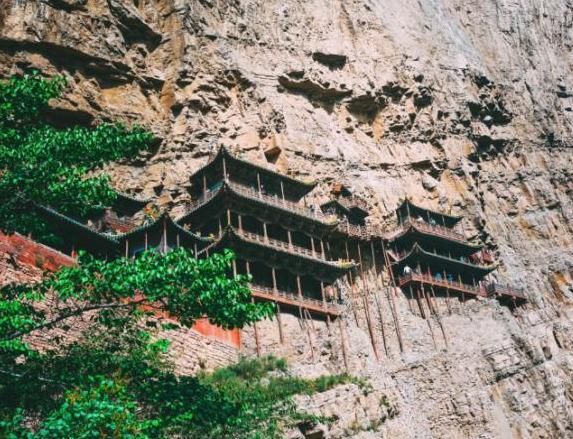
[42,164]
[110,376]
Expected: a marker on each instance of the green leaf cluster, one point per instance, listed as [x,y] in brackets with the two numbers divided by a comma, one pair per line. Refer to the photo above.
[42,164]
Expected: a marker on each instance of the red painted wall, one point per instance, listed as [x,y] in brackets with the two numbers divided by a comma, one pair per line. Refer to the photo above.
[229,336]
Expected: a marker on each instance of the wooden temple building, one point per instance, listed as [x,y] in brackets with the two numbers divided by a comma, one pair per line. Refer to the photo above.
[307,261]
[429,257]
[284,245]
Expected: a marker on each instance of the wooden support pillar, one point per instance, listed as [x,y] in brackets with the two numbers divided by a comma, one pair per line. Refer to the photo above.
[312,245]
[343,344]
[248,267]
[322,249]
[373,259]
[392,301]
[274,274]
[265,233]
[229,217]
[257,342]
[224,169]
[204,185]
[408,210]
[366,305]
[420,304]
[220,226]
[234,267]
[126,248]
[259,183]
[298,286]
[282,191]
[322,294]
[289,235]
[240,219]
[280,323]
[195,250]
[410,300]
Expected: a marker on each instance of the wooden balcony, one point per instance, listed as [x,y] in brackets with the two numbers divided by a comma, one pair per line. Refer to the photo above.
[275,200]
[271,200]
[501,290]
[441,283]
[286,247]
[288,299]
[431,229]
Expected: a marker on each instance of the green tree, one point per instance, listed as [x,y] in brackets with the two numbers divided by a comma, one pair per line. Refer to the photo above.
[115,379]
[41,164]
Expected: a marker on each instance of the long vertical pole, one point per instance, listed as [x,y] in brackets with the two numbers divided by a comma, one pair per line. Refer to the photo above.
[366,305]
[351,282]
[248,266]
[259,183]
[378,306]
[392,302]
[273,272]
[343,344]
[280,323]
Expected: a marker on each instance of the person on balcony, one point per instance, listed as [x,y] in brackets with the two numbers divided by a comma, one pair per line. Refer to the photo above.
[407,270]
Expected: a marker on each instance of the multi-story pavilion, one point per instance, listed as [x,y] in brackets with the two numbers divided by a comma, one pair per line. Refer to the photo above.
[281,243]
[429,256]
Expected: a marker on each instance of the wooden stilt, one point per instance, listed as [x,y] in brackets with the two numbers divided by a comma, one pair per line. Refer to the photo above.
[428,321]
[306,327]
[378,305]
[391,297]
[280,323]
[420,304]
[439,317]
[257,341]
[343,345]
[164,236]
[366,304]
[410,300]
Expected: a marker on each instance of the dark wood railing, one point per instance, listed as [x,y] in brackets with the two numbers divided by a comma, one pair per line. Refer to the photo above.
[495,289]
[442,283]
[287,298]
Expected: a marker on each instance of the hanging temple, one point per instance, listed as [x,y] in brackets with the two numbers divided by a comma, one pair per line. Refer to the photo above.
[303,259]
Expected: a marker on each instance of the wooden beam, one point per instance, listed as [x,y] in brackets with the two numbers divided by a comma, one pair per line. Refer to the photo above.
[280,323]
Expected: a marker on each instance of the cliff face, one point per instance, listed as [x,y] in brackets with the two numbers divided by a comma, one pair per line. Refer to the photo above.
[465,105]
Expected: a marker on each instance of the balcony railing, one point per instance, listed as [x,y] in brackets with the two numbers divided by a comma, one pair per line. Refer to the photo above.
[443,283]
[275,200]
[281,245]
[476,262]
[294,300]
[495,289]
[433,229]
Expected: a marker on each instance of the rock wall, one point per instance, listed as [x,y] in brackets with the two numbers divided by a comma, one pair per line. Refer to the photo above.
[465,105]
